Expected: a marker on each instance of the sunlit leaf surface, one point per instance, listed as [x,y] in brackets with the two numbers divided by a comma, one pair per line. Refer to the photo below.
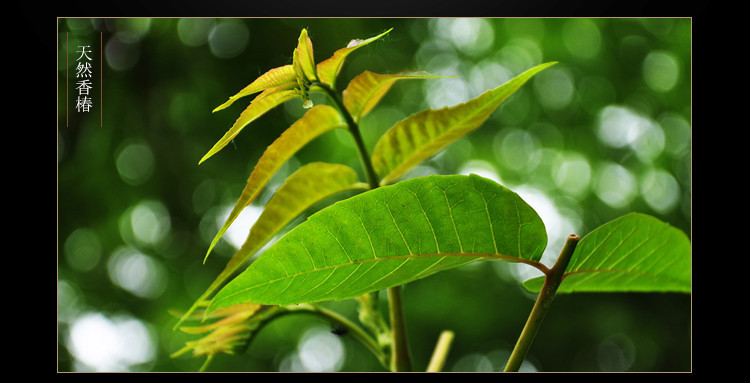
[315,122]
[366,90]
[257,108]
[328,69]
[423,134]
[390,236]
[635,252]
[270,79]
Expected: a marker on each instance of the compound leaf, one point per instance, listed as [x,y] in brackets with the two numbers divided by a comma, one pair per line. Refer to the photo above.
[329,69]
[635,252]
[390,236]
[308,185]
[260,105]
[270,79]
[423,134]
[315,122]
[366,90]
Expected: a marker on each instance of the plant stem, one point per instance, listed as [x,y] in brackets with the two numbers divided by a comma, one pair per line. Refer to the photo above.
[351,328]
[543,301]
[441,352]
[401,359]
[372,178]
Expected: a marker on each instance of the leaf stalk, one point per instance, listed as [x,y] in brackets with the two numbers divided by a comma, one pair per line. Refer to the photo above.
[441,352]
[372,178]
[552,281]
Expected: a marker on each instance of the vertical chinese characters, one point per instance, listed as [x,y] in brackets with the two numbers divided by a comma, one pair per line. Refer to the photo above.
[83,74]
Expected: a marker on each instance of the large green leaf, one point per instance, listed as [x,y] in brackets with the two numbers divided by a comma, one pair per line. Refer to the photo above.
[635,252]
[315,122]
[366,90]
[305,187]
[330,68]
[423,134]
[262,104]
[390,236]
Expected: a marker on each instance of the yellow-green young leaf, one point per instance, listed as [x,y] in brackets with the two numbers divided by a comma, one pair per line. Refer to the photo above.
[270,79]
[330,68]
[283,87]
[315,122]
[305,187]
[262,104]
[423,134]
[305,57]
[366,90]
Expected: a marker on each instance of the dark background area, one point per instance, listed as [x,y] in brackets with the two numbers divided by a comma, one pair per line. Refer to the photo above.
[605,132]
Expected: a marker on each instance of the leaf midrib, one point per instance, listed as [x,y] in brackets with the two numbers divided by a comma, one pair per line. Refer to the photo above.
[404,257]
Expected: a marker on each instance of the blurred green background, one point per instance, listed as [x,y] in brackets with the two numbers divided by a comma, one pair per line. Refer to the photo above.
[605,132]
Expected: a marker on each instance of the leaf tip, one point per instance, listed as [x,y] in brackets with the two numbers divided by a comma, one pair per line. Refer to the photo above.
[204,158]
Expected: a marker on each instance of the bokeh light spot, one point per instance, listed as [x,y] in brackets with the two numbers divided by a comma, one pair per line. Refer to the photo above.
[582,38]
[661,70]
[554,88]
[519,54]
[193,32]
[471,36]
[572,174]
[135,162]
[320,350]
[487,74]
[121,55]
[137,273]
[317,351]
[69,301]
[615,185]
[620,127]
[83,249]
[517,149]
[150,222]
[101,344]
[660,190]
[237,233]
[228,39]
[677,133]
[132,30]
[616,353]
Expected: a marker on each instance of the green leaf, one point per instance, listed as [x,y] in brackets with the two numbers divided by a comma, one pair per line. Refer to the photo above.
[390,236]
[305,187]
[315,122]
[423,134]
[272,78]
[635,252]
[366,90]
[262,104]
[329,69]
